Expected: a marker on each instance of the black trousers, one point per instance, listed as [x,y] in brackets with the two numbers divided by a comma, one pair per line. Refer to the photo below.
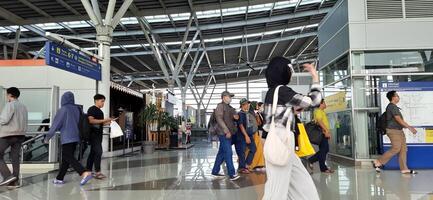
[95,154]
[15,143]
[321,155]
[68,158]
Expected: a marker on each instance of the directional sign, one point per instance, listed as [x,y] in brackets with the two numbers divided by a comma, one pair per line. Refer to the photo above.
[62,57]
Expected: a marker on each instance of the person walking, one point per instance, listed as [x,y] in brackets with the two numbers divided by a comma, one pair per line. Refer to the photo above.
[290,180]
[97,121]
[13,127]
[244,137]
[258,163]
[224,115]
[394,130]
[66,121]
[321,119]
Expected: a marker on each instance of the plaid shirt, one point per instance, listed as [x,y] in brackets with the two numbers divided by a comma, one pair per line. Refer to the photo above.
[298,101]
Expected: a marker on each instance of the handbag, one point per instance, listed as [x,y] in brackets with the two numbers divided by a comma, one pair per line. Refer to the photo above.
[314,132]
[304,146]
[275,150]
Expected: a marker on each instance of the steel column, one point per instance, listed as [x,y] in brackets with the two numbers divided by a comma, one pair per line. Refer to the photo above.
[15,49]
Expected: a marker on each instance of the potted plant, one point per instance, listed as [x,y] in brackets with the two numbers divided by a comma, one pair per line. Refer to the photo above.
[147,116]
[169,123]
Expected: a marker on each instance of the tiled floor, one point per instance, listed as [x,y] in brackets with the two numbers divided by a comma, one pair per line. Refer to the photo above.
[185,174]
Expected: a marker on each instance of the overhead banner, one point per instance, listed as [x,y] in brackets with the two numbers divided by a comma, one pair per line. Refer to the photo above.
[70,60]
[336,102]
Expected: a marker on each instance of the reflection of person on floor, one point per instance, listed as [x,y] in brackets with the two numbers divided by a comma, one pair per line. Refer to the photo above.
[394,130]
[321,118]
[258,162]
[244,137]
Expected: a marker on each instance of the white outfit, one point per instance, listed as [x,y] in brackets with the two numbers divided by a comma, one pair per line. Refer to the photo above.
[291,181]
[286,179]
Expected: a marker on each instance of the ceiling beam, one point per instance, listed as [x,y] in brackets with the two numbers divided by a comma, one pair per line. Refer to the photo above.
[297,5]
[194,28]
[14,19]
[146,12]
[67,6]
[35,8]
[213,48]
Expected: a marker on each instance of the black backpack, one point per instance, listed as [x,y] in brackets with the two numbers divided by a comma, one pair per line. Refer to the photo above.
[212,127]
[381,124]
[84,127]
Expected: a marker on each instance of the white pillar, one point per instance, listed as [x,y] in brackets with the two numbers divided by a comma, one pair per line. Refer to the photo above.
[104,37]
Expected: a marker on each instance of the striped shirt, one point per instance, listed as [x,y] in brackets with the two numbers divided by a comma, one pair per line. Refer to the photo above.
[288,99]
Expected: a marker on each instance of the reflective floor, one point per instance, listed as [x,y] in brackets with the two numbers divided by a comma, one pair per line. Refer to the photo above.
[185,174]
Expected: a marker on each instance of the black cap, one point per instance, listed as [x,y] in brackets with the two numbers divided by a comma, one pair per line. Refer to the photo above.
[227,93]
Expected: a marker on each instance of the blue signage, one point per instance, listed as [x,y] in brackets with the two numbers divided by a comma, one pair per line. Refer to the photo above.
[73,61]
[406,86]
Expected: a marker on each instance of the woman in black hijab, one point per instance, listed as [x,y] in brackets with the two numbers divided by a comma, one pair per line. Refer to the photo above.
[291,181]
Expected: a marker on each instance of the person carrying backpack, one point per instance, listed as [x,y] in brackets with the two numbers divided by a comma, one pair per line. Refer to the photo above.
[394,130]
[66,121]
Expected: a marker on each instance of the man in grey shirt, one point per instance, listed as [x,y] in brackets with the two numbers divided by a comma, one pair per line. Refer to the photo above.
[13,126]
[394,130]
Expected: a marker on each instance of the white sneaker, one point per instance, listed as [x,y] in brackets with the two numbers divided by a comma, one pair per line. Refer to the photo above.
[235,177]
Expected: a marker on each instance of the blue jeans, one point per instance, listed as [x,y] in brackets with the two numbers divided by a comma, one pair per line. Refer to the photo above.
[241,146]
[321,155]
[224,154]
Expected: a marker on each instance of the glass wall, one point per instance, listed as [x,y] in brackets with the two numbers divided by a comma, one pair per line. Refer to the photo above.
[368,70]
[38,103]
[338,97]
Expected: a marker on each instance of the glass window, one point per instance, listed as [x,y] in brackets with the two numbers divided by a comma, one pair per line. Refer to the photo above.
[341,130]
[414,61]
[335,71]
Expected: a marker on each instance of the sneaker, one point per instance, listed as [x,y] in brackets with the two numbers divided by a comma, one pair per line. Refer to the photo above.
[245,171]
[58,182]
[13,185]
[8,180]
[234,177]
[218,176]
[86,179]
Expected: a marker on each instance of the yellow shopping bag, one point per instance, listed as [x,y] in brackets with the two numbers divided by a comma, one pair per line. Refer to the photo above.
[305,147]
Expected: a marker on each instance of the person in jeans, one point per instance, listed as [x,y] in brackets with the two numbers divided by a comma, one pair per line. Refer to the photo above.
[13,127]
[244,137]
[225,115]
[394,130]
[321,119]
[66,121]
[96,119]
